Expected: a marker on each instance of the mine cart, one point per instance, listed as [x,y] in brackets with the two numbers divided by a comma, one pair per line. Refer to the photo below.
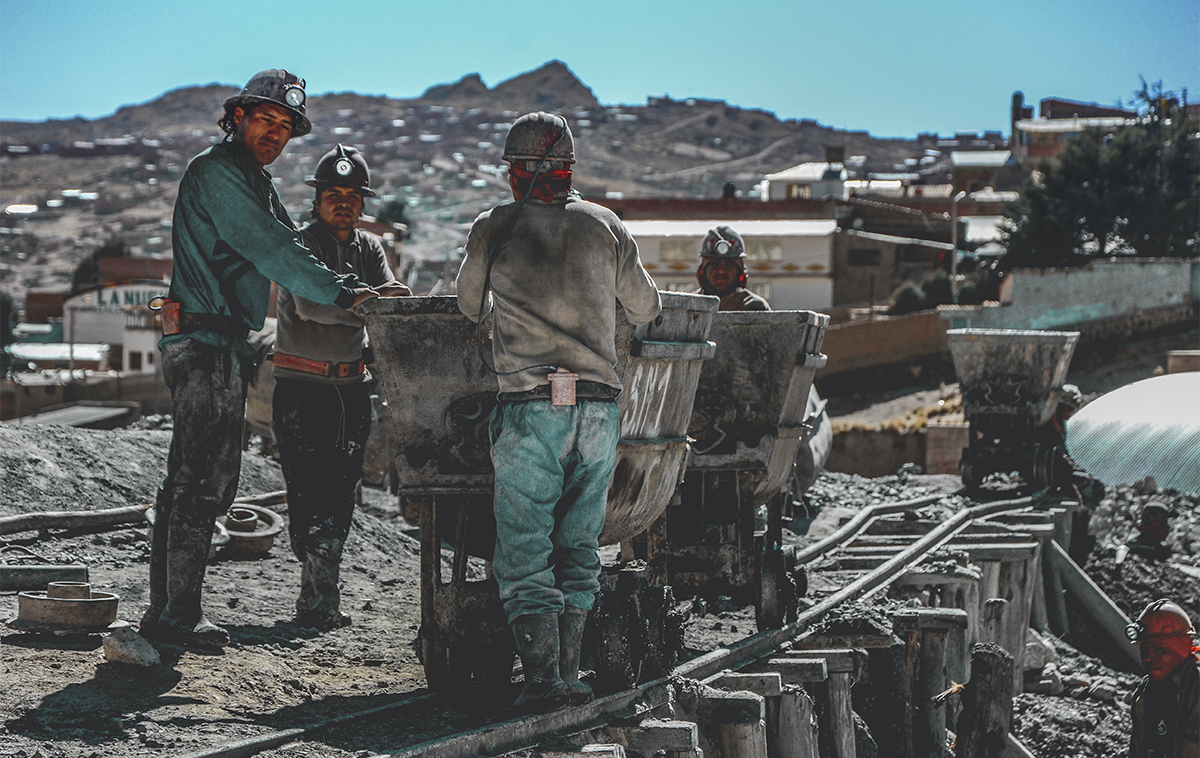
[428,355]
[1010,382]
[747,427]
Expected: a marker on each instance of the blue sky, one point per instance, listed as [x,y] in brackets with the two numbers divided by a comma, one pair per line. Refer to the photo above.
[892,68]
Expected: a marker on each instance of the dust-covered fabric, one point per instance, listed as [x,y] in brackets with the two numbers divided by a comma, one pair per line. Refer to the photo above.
[1166,716]
[208,403]
[321,431]
[553,466]
[553,285]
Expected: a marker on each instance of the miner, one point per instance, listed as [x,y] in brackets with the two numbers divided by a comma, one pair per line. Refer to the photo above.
[322,398]
[1166,703]
[722,271]
[551,267]
[231,237]
[1153,528]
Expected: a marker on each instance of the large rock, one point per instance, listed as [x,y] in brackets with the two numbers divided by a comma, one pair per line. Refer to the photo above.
[124,645]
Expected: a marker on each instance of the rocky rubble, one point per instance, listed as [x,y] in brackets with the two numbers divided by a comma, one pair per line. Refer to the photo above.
[1116,518]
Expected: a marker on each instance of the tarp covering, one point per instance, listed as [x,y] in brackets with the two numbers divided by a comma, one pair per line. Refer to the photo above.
[1148,428]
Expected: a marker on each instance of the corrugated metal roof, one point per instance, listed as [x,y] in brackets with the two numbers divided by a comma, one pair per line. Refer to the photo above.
[806,172]
[1148,428]
[786,228]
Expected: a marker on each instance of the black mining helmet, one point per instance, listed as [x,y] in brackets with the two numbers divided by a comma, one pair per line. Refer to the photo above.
[276,86]
[343,167]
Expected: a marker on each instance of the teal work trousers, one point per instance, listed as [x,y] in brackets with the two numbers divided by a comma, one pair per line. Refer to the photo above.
[553,468]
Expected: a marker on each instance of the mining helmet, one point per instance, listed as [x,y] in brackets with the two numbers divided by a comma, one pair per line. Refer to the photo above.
[1160,619]
[1154,512]
[1070,396]
[722,242]
[535,136]
[276,86]
[343,167]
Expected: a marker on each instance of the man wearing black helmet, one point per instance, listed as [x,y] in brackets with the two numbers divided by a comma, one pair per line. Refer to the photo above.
[231,236]
[722,271]
[322,401]
[552,267]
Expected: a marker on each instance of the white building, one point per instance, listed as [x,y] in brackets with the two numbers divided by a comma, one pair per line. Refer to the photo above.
[789,262]
[114,315]
[808,181]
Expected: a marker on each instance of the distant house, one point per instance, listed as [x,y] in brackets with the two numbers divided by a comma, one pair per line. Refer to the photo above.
[103,315]
[808,181]
[974,170]
[1059,121]
[789,262]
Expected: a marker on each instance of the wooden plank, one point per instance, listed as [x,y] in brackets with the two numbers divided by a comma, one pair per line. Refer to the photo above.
[986,716]
[848,641]
[1098,605]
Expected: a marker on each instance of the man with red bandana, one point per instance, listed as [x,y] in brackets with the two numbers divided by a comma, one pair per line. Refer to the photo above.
[722,271]
[552,268]
[1166,703]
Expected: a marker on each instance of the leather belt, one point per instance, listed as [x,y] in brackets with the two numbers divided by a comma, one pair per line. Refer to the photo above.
[320,368]
[583,391]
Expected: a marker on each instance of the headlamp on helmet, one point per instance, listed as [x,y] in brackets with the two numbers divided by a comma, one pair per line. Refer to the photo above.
[1160,620]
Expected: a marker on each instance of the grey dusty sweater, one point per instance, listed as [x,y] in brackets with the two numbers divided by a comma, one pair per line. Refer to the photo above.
[327,332]
[555,287]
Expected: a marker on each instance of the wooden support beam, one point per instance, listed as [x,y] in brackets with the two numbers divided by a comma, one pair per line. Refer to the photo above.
[738,720]
[798,670]
[795,732]
[659,735]
[842,641]
[21,578]
[764,685]
[986,717]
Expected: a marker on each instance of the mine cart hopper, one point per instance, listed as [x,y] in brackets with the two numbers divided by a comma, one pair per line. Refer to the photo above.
[428,355]
[747,427]
[1010,382]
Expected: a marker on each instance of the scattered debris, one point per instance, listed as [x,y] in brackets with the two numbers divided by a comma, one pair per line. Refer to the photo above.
[124,645]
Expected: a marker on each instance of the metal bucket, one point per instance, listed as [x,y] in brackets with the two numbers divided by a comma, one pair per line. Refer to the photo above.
[1011,370]
[753,393]
[443,396]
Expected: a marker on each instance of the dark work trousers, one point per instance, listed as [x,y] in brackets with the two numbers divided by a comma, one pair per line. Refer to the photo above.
[208,406]
[321,431]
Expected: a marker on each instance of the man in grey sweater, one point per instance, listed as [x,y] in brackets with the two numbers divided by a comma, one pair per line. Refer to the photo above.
[552,267]
[322,401]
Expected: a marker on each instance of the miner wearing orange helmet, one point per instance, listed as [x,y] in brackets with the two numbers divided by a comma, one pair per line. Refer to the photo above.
[1166,703]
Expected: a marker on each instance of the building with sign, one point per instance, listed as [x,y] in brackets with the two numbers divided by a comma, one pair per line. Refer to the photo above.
[114,315]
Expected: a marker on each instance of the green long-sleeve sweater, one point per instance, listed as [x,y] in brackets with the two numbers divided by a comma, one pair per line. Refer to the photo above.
[231,237]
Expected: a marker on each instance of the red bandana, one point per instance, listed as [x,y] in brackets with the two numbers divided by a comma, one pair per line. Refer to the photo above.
[549,183]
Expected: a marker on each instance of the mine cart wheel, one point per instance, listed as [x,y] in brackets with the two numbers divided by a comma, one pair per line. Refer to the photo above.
[435,658]
[967,471]
[777,596]
[664,628]
[619,640]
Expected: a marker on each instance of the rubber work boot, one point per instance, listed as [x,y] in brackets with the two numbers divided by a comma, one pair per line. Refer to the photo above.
[570,641]
[182,621]
[318,606]
[536,635]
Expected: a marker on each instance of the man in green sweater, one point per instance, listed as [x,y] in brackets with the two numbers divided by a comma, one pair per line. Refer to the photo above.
[231,237]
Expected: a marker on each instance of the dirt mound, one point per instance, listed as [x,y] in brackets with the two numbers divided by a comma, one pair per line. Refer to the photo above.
[58,468]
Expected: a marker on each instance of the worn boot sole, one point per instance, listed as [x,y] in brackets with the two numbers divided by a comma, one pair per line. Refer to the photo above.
[208,637]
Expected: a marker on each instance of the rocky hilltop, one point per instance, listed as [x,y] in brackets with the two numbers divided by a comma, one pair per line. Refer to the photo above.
[438,153]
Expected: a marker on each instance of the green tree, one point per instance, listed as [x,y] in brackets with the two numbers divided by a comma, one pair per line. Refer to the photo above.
[1136,192]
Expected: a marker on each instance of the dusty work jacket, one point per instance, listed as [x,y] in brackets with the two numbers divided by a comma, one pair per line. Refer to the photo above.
[327,333]
[1166,717]
[231,237]
[554,286]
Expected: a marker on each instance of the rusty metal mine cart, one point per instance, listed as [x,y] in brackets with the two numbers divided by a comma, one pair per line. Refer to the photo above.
[747,427]
[1010,382]
[442,399]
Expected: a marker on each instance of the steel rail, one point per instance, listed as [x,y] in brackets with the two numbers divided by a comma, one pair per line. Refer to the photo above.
[860,520]
[510,735]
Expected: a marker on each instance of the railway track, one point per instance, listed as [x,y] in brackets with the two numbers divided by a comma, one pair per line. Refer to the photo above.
[993,548]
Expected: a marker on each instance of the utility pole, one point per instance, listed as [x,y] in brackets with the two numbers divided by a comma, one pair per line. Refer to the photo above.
[954,242]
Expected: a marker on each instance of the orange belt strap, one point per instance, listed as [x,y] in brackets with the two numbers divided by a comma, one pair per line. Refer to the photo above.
[321,368]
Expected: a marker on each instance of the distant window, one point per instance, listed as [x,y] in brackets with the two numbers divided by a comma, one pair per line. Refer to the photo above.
[149,359]
[764,248]
[864,256]
[799,192]
[135,361]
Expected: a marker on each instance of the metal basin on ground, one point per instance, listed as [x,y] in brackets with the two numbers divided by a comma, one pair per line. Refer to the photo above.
[251,529]
[66,607]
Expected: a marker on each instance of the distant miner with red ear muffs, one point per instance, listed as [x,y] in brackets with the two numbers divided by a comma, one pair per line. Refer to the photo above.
[231,238]
[1166,703]
[322,397]
[551,267]
[722,271]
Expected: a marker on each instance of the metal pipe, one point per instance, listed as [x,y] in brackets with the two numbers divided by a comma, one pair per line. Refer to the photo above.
[954,242]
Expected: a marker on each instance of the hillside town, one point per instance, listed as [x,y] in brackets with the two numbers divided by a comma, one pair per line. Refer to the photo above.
[915,440]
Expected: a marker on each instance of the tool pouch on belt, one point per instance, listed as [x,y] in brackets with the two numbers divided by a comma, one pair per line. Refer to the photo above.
[168,312]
